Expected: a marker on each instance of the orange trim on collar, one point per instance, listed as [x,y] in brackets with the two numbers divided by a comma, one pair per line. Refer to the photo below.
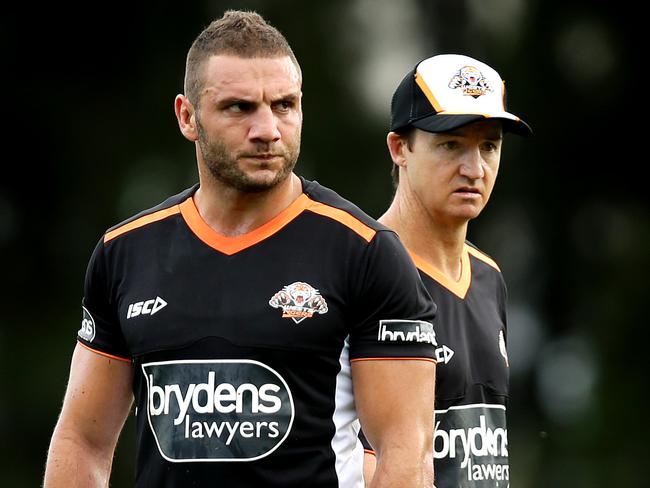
[458,288]
[232,245]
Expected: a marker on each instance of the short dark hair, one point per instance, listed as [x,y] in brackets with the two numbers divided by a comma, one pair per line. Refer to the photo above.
[239,33]
[408,134]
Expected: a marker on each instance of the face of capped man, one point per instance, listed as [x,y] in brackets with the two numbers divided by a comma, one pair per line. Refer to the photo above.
[452,174]
[249,121]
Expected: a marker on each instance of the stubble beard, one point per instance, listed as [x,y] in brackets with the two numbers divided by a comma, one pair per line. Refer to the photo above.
[223,164]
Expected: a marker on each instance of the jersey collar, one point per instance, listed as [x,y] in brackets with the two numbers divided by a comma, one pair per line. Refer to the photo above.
[458,288]
[232,245]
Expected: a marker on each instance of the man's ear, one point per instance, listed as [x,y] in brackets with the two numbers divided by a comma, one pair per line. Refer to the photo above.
[186,117]
[397,146]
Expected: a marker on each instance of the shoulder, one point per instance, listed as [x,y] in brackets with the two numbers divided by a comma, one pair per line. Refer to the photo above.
[160,212]
[480,256]
[327,202]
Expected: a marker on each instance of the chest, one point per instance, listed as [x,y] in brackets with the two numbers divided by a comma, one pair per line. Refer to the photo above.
[269,296]
[471,336]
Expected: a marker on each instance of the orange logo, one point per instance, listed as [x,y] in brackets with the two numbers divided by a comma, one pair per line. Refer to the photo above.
[299,301]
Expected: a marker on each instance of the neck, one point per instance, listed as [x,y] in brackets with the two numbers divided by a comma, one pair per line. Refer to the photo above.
[231,212]
[438,243]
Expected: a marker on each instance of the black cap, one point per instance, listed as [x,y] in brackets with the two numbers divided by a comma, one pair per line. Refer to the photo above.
[448,91]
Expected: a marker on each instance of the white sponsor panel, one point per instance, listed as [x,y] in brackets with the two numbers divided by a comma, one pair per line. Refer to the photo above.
[471,447]
[406,331]
[87,329]
[217,410]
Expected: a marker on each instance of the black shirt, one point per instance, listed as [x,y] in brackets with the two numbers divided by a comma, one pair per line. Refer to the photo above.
[242,346]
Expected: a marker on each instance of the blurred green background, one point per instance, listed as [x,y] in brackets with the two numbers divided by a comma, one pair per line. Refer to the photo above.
[90,138]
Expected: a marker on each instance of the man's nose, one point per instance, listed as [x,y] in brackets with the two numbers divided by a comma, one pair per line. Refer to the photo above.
[472,164]
[264,126]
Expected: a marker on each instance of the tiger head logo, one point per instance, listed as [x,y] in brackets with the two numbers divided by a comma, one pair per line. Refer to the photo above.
[299,301]
[471,81]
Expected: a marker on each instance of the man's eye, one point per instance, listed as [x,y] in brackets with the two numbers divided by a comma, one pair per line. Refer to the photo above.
[284,105]
[489,146]
[449,145]
[239,107]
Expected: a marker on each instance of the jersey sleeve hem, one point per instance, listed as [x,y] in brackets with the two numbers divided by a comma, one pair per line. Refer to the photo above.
[431,360]
[102,353]
[370,451]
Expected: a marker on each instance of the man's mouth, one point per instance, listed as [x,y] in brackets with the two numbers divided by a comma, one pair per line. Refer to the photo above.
[468,192]
[262,156]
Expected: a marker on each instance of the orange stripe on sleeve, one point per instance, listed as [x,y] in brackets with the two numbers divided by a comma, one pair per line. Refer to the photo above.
[142,221]
[395,358]
[110,356]
[344,218]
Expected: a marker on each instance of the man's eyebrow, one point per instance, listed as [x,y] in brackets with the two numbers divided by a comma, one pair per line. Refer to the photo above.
[232,100]
[293,96]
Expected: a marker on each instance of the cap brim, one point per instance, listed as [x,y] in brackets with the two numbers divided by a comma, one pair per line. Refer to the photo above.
[448,122]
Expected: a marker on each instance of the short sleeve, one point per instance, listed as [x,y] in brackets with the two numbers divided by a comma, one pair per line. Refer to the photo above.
[100,328]
[364,442]
[395,313]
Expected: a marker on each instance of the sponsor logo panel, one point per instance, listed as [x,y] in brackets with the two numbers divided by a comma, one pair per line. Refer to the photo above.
[217,410]
[87,329]
[471,447]
[406,331]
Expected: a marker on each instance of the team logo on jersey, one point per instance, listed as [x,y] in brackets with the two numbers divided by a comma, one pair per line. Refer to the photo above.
[217,410]
[87,330]
[299,301]
[471,81]
[502,347]
[146,307]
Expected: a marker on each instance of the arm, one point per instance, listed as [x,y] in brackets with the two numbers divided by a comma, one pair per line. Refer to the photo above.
[369,466]
[95,407]
[394,399]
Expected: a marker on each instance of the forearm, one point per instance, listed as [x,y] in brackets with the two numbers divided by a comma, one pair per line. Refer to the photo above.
[402,468]
[73,463]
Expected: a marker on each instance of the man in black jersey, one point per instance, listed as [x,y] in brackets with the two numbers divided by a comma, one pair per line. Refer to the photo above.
[447,121]
[255,318]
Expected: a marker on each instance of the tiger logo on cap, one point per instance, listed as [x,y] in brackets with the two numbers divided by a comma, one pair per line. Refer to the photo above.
[471,81]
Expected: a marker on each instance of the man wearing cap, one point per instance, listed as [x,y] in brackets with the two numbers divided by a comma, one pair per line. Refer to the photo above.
[448,117]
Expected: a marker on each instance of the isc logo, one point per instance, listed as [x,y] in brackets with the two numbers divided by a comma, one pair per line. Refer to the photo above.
[147,307]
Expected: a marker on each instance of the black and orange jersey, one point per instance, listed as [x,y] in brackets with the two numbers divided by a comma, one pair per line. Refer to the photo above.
[470,438]
[242,346]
